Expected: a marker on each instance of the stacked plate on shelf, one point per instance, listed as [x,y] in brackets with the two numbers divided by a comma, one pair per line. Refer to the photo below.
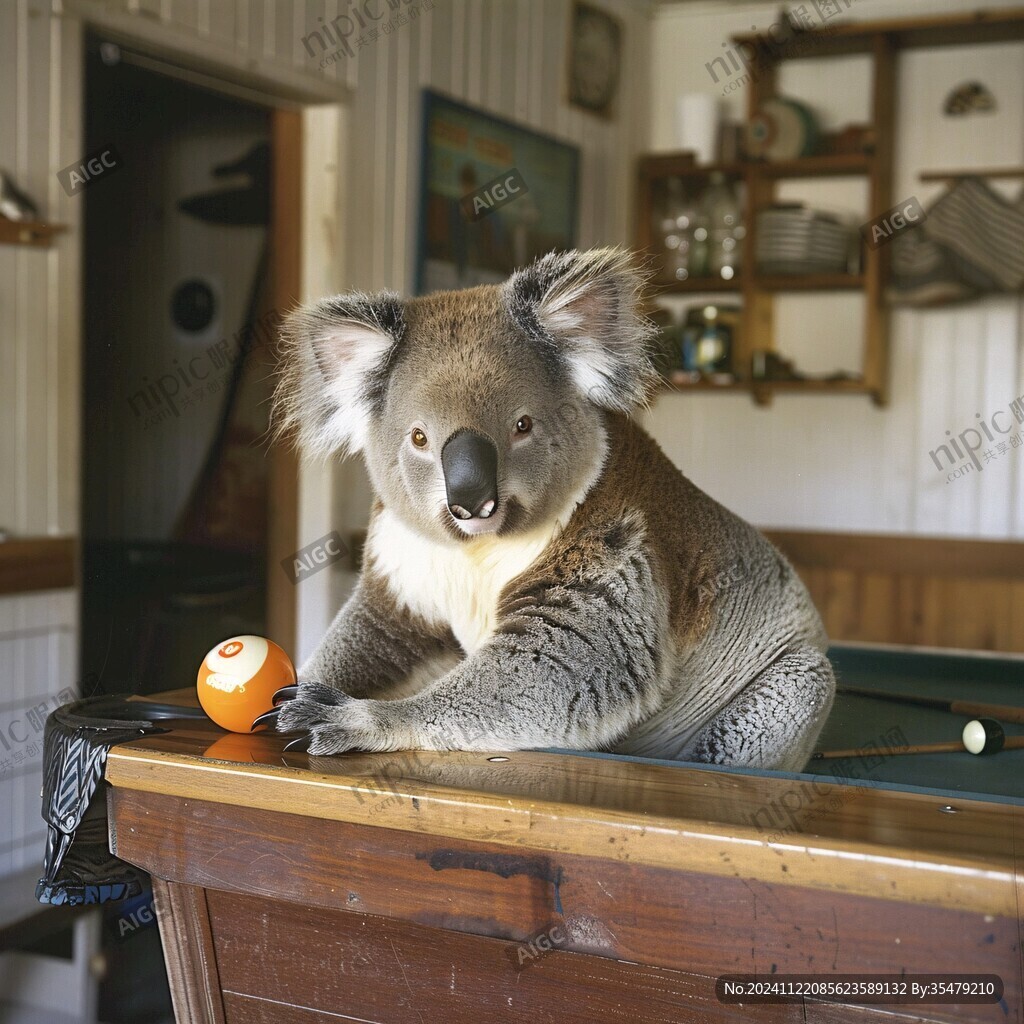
[795,240]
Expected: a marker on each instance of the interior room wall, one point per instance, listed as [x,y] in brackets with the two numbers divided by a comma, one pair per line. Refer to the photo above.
[837,462]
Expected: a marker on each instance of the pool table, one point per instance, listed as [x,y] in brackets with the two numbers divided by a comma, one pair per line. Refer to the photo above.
[552,886]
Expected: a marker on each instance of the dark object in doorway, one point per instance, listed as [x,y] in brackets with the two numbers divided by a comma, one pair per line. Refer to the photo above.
[193,305]
[246,204]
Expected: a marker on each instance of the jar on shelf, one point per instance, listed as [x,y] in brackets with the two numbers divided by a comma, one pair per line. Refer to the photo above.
[707,341]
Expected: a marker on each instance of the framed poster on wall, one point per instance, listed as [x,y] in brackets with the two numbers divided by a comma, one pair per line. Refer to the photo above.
[493,196]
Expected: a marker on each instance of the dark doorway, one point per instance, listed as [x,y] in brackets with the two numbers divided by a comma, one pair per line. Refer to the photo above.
[175,472]
[176,378]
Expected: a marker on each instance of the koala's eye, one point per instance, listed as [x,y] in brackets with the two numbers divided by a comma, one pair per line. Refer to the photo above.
[524,425]
[419,439]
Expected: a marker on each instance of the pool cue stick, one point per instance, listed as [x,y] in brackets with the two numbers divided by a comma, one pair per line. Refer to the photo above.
[1010,743]
[980,736]
[967,708]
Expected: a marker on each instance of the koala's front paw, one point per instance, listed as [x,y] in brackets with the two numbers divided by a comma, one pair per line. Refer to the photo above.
[331,721]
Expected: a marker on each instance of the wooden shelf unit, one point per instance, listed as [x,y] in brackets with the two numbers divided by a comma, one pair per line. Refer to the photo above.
[882,41]
[825,165]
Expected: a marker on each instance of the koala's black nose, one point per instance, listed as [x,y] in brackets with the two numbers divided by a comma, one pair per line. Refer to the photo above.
[470,464]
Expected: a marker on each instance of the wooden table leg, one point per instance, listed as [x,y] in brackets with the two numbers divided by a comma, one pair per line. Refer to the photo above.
[184,920]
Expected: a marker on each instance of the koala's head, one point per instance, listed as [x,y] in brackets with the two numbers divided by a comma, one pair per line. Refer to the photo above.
[479,411]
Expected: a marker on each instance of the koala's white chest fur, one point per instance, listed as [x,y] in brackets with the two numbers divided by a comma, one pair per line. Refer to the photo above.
[457,585]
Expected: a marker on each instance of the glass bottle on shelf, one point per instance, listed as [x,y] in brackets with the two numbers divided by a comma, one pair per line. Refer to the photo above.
[699,247]
[675,222]
[720,211]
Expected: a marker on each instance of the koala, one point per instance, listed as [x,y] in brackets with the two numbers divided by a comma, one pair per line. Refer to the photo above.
[536,573]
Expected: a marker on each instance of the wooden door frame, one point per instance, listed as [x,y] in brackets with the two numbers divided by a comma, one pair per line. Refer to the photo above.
[284,247]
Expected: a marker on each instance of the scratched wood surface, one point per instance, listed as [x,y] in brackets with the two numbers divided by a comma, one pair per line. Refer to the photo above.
[833,838]
[697,923]
[295,964]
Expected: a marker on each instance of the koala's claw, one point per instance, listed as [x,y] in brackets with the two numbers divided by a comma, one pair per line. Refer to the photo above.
[267,718]
[325,715]
[285,693]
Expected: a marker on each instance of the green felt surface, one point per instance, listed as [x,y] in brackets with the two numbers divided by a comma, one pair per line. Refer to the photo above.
[860,722]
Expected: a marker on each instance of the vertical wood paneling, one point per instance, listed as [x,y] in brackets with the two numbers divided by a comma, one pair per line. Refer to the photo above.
[152,8]
[38,395]
[185,14]
[242,18]
[261,31]
[220,19]
[65,278]
[328,10]
[22,314]
[405,152]
[537,100]
[37,661]
[508,58]
[504,58]
[457,53]
[10,66]
[378,58]
[477,18]
[521,107]
[35,324]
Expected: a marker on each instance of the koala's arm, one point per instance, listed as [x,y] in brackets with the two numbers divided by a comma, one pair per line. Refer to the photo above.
[576,659]
[372,644]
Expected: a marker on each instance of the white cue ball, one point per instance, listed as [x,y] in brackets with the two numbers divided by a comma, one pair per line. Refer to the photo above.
[984,736]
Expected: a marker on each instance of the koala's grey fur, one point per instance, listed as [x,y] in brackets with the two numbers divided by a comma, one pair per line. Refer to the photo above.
[608,604]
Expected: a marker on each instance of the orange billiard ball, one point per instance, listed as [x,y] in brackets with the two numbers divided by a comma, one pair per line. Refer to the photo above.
[238,678]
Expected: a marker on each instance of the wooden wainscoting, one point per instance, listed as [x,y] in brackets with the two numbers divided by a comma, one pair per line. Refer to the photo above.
[928,591]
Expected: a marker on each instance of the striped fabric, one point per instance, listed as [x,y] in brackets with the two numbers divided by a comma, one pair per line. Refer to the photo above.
[984,229]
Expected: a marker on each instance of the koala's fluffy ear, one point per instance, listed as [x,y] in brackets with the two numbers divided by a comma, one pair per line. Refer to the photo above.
[585,306]
[333,372]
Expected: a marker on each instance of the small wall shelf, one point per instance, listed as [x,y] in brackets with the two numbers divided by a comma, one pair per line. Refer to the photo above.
[827,165]
[762,391]
[28,232]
